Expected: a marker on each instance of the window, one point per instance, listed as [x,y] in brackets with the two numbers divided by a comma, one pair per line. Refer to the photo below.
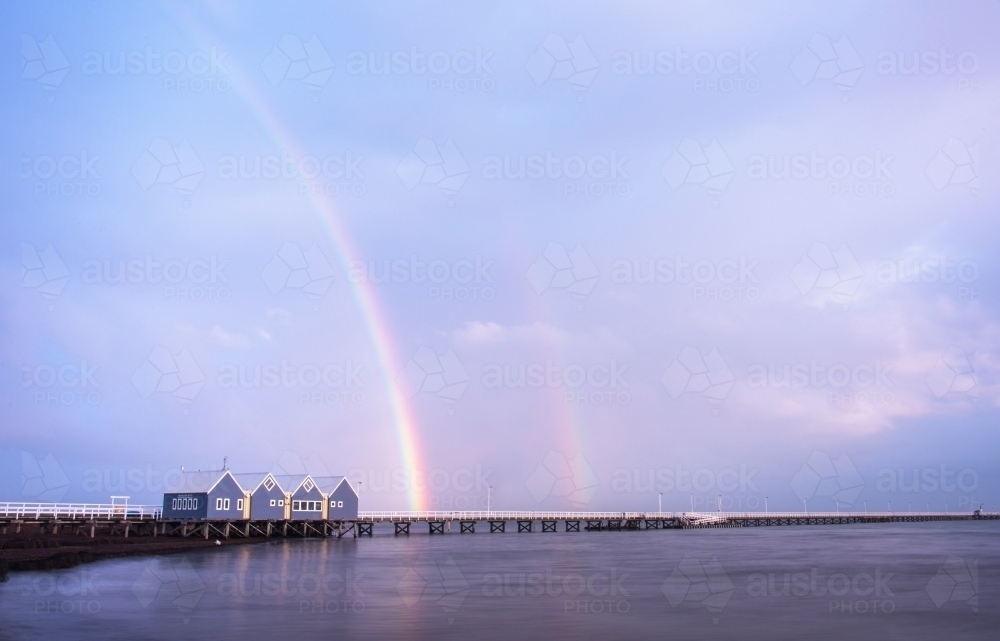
[281,503]
[184,503]
[340,504]
[295,505]
[218,504]
[225,504]
[269,484]
[239,504]
[273,502]
[333,504]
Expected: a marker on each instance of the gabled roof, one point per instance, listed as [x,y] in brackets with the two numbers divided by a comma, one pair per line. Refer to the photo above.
[200,481]
[291,483]
[327,484]
[250,481]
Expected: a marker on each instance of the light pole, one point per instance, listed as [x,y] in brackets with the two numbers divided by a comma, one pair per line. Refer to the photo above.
[489,497]
[660,503]
[692,503]
[765,505]
[805,508]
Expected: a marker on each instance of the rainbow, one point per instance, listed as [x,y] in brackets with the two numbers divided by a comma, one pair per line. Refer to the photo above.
[403,416]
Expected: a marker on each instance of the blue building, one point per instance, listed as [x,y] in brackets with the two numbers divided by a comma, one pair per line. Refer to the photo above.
[260,496]
[340,501]
[265,496]
[305,497]
[212,494]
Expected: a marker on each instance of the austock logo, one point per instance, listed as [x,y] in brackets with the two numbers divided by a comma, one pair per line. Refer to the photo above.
[163,372]
[291,59]
[706,584]
[828,479]
[557,59]
[62,383]
[706,66]
[170,583]
[63,592]
[318,384]
[956,580]
[955,164]
[865,592]
[194,71]
[694,164]
[829,274]
[446,280]
[428,582]
[694,373]
[43,271]
[822,59]
[865,384]
[42,480]
[726,280]
[556,477]
[953,374]
[43,62]
[307,271]
[461,71]
[293,463]
[428,164]
[595,593]
[590,384]
[443,375]
[861,175]
[68,175]
[556,268]
[593,175]
[163,163]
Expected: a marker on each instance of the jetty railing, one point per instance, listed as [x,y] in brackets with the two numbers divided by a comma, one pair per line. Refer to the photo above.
[80,511]
[500,515]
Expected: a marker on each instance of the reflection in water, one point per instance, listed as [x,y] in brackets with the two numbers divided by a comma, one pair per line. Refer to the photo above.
[913,581]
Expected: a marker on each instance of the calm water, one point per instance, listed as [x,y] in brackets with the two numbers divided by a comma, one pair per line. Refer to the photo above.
[904,581]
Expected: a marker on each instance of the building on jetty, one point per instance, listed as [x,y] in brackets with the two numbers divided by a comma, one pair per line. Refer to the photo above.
[220,494]
[210,494]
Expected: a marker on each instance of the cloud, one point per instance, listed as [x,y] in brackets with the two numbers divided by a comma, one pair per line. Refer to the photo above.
[232,341]
[492,333]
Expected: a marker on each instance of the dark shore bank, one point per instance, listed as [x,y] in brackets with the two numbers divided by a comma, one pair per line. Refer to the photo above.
[31,550]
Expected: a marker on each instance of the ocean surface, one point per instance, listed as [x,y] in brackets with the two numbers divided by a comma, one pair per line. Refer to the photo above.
[901,581]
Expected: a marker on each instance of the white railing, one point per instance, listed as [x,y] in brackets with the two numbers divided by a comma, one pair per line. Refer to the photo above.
[147,512]
[79,511]
[697,517]
[496,515]
[826,515]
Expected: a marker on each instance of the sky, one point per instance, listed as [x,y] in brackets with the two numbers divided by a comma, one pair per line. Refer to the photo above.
[532,256]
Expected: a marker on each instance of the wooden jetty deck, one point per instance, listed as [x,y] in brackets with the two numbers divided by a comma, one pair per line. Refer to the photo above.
[145,520]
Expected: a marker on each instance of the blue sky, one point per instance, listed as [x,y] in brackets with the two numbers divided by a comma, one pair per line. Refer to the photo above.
[767,259]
